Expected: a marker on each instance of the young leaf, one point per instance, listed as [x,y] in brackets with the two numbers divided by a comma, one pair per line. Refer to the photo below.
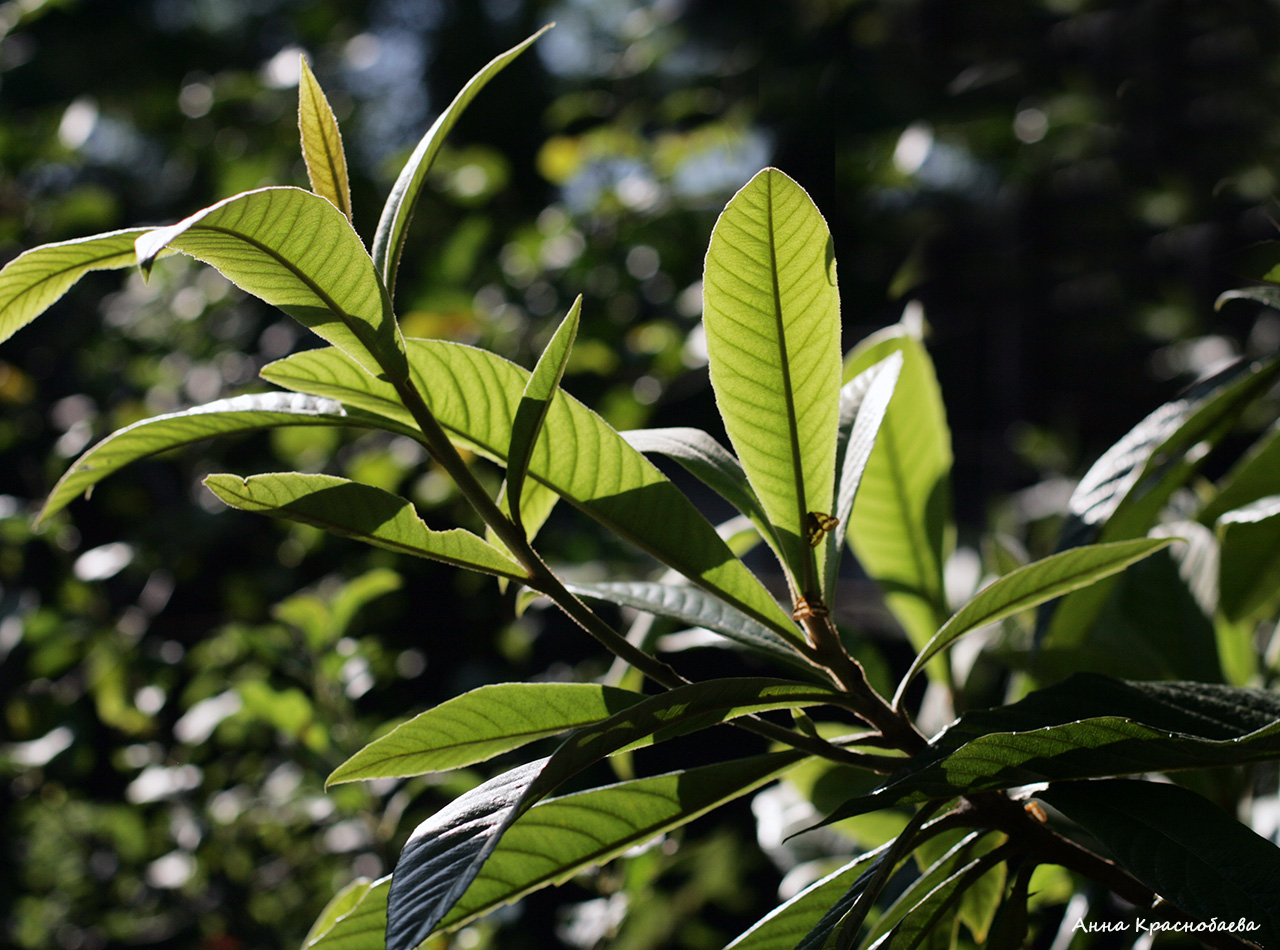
[1249,570]
[863,403]
[388,240]
[363,512]
[692,606]
[224,417]
[543,383]
[1031,585]
[1184,848]
[475,395]
[900,529]
[35,279]
[560,837]
[297,252]
[340,904]
[362,927]
[772,315]
[322,143]
[445,853]
[480,724]
[1088,726]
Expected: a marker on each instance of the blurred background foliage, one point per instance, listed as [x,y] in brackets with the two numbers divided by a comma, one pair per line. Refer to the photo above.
[1062,187]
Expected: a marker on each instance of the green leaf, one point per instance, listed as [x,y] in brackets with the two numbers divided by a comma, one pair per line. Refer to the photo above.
[1249,569]
[771,310]
[446,852]
[863,403]
[1184,848]
[388,240]
[543,383]
[34,280]
[297,252]
[341,903]
[939,907]
[223,417]
[475,396]
[788,923]
[933,875]
[1267,296]
[1256,475]
[1085,727]
[1123,492]
[368,514]
[480,724]
[695,607]
[711,463]
[322,142]
[560,837]
[900,529]
[363,927]
[1031,585]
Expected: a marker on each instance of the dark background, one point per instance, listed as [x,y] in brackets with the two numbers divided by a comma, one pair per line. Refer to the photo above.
[1064,186]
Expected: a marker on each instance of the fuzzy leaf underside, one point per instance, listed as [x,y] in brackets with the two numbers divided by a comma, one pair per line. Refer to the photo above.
[900,527]
[322,150]
[771,310]
[475,396]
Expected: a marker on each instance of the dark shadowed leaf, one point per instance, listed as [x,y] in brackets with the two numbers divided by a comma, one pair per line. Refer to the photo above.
[1249,569]
[1087,726]
[560,837]
[1184,848]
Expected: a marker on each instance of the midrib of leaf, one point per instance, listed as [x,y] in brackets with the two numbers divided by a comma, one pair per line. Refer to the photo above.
[793,429]
[354,323]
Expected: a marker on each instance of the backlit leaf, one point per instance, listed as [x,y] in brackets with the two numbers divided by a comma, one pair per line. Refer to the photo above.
[446,853]
[772,315]
[480,724]
[393,225]
[363,927]
[322,142]
[297,252]
[35,279]
[223,417]
[368,514]
[340,905]
[475,396]
[1249,570]
[543,383]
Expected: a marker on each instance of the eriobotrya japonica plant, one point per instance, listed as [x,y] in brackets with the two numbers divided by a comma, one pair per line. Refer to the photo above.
[1073,781]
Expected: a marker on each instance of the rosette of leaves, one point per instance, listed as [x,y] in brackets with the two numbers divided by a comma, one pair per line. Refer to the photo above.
[828,453]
